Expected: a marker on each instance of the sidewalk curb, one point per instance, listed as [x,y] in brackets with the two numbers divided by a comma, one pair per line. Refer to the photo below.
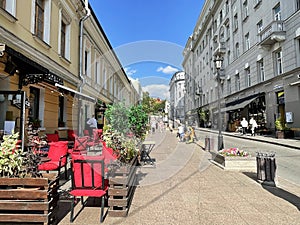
[245,137]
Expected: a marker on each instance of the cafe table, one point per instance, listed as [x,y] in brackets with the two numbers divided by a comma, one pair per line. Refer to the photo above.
[147,147]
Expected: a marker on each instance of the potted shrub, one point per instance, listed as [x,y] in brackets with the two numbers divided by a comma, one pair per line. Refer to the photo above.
[23,187]
[282,130]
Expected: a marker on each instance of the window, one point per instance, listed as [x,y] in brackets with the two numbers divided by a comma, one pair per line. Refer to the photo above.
[261,71]
[87,63]
[278,62]
[2,4]
[227,30]
[229,86]
[63,39]
[41,21]
[235,22]
[9,6]
[104,78]
[39,18]
[247,41]
[248,77]
[237,82]
[97,71]
[228,57]
[245,9]
[226,7]
[237,50]
[64,46]
[297,5]
[259,26]
[298,51]
[277,12]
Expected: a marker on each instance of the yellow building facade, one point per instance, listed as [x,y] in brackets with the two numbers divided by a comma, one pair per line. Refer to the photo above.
[56,65]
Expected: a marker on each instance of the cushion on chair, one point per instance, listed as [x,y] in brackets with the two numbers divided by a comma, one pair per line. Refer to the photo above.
[58,149]
[88,192]
[52,137]
[87,172]
[49,165]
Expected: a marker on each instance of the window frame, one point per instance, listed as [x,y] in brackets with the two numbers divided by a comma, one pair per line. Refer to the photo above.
[261,70]
[278,62]
[277,12]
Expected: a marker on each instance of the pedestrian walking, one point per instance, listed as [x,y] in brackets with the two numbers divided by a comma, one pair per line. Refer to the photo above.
[180,133]
[253,124]
[92,124]
[153,126]
[244,124]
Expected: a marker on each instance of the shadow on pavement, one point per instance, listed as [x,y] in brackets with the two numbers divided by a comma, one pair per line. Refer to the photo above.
[279,192]
[291,198]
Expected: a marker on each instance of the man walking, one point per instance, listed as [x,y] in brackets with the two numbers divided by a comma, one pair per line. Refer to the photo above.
[92,122]
[253,124]
[244,124]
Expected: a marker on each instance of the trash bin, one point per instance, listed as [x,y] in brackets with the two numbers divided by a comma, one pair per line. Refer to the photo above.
[266,167]
[208,144]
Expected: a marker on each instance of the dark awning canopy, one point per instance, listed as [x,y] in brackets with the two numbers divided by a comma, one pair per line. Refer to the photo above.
[31,72]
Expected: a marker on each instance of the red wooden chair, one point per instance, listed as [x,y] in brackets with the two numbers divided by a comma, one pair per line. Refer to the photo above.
[80,145]
[97,137]
[87,181]
[58,157]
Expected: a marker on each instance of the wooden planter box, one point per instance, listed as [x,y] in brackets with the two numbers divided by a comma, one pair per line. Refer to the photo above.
[25,200]
[235,163]
[121,189]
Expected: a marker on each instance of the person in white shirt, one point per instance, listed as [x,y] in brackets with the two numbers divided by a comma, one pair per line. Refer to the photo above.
[180,132]
[244,124]
[253,124]
[92,122]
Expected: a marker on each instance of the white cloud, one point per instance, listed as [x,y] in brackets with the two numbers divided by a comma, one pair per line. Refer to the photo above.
[129,71]
[157,91]
[167,70]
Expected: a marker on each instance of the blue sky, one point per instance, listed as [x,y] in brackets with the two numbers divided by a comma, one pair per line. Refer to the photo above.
[149,37]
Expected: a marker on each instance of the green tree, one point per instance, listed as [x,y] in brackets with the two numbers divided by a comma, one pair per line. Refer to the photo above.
[138,119]
[117,116]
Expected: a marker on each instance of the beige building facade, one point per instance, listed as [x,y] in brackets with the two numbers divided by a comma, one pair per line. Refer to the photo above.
[57,67]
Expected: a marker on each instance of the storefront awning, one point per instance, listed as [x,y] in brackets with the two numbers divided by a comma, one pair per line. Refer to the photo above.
[239,106]
[76,93]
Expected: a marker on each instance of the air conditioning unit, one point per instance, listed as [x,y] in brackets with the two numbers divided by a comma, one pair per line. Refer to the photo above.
[298,76]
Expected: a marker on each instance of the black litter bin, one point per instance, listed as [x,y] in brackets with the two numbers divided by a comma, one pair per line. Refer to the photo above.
[266,167]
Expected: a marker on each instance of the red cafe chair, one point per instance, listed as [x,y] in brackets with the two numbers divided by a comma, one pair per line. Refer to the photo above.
[58,158]
[80,145]
[87,175]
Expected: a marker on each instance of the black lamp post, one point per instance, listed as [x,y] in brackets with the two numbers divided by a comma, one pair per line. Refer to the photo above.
[218,64]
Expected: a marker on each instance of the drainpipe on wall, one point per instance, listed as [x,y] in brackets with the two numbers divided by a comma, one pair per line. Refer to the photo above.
[81,77]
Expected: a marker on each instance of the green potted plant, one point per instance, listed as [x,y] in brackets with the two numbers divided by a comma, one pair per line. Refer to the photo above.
[14,162]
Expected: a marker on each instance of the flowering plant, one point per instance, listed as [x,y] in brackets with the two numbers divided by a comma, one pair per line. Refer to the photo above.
[234,152]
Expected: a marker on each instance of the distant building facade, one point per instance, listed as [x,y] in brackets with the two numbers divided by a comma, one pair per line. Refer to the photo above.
[259,42]
[176,104]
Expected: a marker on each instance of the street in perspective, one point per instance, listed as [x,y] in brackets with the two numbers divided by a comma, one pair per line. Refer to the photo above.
[150,112]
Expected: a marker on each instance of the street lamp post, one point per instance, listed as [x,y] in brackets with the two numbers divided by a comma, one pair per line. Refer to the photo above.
[218,64]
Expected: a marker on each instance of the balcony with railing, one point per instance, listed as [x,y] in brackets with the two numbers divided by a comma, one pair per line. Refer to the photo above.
[274,32]
[219,48]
